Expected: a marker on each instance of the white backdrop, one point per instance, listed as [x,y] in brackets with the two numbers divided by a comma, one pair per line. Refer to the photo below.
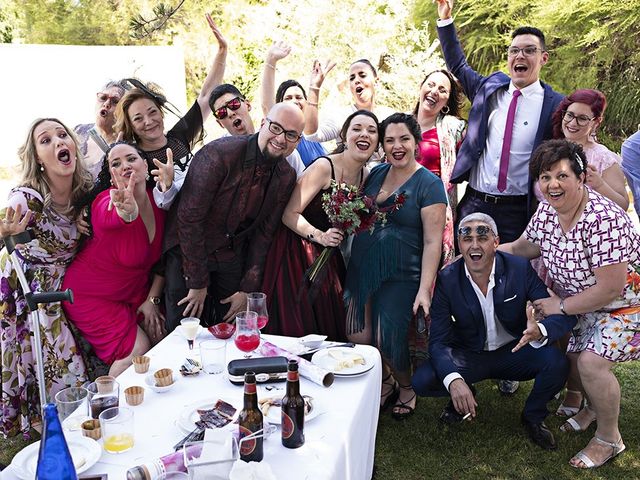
[61,81]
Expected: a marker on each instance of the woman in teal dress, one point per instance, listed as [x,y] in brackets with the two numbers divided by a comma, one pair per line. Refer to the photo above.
[392,269]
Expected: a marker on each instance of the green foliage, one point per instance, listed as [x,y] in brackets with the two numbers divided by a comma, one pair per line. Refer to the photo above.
[593,44]
[6,16]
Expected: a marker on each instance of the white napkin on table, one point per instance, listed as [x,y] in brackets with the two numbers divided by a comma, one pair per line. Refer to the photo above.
[216,447]
[251,471]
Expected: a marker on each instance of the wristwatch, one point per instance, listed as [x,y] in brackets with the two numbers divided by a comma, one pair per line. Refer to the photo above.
[155,300]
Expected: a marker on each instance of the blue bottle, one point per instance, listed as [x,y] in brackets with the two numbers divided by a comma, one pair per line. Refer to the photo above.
[54,458]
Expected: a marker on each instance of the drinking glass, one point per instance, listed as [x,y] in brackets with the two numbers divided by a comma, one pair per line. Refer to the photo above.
[212,355]
[247,333]
[73,407]
[190,326]
[117,429]
[102,396]
[257,302]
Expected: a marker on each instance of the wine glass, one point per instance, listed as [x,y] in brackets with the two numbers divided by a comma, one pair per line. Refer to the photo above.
[247,333]
[190,327]
[257,302]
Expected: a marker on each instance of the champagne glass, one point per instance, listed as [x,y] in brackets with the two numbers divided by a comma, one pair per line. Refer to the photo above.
[190,326]
[247,334]
[257,302]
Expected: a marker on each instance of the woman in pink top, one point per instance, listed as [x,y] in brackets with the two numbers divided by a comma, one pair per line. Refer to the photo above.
[112,276]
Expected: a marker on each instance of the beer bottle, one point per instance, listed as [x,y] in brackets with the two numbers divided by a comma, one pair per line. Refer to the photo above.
[293,410]
[250,421]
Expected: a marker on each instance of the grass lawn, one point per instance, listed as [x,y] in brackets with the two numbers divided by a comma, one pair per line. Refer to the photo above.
[493,446]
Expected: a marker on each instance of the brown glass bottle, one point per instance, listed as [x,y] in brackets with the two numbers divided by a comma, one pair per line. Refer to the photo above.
[250,421]
[293,410]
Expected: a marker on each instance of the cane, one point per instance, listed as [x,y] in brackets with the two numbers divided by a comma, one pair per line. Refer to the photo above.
[33,299]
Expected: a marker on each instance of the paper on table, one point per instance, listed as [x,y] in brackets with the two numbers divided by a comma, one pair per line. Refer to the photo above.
[251,471]
[216,447]
[307,369]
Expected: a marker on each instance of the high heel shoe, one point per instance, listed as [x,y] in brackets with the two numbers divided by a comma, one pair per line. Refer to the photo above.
[616,449]
[566,411]
[408,411]
[392,395]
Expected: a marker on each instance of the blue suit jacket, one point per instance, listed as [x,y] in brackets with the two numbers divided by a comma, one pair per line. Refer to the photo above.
[456,316]
[478,89]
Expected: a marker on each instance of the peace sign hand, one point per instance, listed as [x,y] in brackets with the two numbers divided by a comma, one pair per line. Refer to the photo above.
[320,71]
[122,197]
[163,174]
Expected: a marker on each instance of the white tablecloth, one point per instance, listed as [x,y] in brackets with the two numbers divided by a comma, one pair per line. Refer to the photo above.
[339,445]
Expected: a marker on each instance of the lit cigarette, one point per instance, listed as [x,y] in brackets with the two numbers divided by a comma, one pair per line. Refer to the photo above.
[467,416]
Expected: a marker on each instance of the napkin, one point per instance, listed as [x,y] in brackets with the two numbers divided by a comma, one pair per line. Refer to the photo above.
[216,447]
[251,471]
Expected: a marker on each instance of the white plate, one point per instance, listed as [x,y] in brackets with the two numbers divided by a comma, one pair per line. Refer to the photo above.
[189,415]
[25,463]
[274,415]
[323,359]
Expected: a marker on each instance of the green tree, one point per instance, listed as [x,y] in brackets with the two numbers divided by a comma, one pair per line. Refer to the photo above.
[593,44]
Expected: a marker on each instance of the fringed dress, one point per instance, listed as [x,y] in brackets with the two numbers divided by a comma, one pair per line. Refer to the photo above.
[385,265]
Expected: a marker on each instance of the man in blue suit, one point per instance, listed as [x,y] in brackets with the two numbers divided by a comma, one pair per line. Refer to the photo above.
[479,159]
[481,329]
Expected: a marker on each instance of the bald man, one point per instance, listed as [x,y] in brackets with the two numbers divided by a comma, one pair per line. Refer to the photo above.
[232,201]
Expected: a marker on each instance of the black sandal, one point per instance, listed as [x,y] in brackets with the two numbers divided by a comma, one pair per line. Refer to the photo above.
[393,395]
[404,405]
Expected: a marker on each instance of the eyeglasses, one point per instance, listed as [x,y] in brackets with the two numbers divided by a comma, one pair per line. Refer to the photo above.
[581,120]
[233,105]
[276,129]
[480,230]
[528,51]
[103,97]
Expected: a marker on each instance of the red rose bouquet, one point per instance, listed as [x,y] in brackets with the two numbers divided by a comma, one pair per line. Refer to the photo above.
[352,212]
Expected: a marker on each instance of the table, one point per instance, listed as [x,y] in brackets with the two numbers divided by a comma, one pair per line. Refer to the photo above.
[339,445]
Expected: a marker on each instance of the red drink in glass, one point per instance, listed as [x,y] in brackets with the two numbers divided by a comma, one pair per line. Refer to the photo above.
[247,343]
[262,321]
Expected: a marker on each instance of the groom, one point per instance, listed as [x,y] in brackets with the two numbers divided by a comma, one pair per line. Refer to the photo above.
[480,329]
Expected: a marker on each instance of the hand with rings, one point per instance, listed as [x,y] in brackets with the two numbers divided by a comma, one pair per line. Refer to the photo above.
[13,221]
[331,238]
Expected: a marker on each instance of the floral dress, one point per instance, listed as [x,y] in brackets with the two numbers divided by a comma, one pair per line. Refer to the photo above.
[604,235]
[43,260]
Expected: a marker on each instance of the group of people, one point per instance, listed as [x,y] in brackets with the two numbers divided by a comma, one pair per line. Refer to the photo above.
[146,230]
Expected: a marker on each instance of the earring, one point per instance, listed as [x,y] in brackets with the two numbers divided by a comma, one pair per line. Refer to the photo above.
[147,176]
[445,112]
[41,167]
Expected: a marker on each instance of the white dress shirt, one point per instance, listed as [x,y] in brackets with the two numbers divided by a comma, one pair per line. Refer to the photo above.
[484,175]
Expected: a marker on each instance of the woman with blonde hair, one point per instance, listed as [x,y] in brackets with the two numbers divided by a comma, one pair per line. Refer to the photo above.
[53,179]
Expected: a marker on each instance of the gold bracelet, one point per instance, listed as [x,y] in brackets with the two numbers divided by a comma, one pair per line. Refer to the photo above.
[317,89]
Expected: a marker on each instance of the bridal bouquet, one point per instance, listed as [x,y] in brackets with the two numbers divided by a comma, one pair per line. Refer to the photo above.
[352,212]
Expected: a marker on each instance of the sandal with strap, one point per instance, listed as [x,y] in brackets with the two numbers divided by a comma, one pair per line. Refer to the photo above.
[566,411]
[392,395]
[571,425]
[616,449]
[408,411]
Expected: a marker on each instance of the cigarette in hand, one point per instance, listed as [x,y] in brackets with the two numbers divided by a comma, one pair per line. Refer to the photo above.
[467,416]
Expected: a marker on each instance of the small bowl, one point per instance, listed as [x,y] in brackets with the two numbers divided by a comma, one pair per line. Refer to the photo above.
[134,395]
[313,341]
[91,429]
[222,330]
[141,364]
[150,380]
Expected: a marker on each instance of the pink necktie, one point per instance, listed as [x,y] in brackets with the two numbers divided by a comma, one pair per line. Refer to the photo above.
[506,143]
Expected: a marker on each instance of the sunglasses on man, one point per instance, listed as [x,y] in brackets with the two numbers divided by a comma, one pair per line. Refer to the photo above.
[233,105]
[481,230]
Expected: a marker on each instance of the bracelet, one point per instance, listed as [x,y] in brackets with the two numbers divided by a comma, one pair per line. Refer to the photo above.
[312,104]
[562,306]
[317,89]
[270,66]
